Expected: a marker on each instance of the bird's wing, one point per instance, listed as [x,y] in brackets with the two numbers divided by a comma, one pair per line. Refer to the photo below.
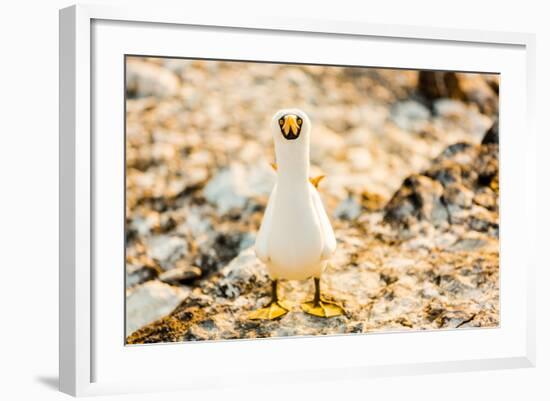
[262,239]
[329,240]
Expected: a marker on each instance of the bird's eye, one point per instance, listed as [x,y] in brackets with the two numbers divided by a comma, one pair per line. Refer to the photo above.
[299,121]
[281,121]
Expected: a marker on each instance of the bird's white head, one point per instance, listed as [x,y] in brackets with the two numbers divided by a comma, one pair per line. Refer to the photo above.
[291,130]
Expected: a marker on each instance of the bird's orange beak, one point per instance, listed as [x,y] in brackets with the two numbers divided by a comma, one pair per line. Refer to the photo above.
[290,126]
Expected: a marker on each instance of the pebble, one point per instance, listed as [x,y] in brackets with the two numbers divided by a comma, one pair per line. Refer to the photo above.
[410,115]
[468,244]
[348,209]
[243,270]
[232,187]
[166,250]
[150,301]
[182,272]
[147,79]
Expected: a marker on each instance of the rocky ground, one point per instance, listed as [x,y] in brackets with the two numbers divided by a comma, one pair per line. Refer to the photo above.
[412,191]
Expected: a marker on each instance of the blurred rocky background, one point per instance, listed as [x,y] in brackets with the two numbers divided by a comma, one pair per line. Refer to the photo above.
[412,186]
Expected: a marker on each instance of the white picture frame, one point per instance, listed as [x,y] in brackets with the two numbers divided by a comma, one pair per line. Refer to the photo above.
[92,357]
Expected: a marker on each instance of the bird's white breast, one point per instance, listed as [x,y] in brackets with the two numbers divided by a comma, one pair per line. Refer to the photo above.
[295,238]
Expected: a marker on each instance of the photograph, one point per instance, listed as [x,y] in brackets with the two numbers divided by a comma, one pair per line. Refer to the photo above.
[245,201]
[273,199]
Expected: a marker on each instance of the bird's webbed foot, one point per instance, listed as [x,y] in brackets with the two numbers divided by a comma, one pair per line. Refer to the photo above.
[321,307]
[275,309]
[272,311]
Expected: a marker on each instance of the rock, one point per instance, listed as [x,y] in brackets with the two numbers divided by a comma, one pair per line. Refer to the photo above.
[138,275]
[220,249]
[146,79]
[419,198]
[410,115]
[468,244]
[348,209]
[459,150]
[396,263]
[325,144]
[247,240]
[382,285]
[260,180]
[492,135]
[461,175]
[462,86]
[231,188]
[438,84]
[372,201]
[143,225]
[486,198]
[149,302]
[483,220]
[139,267]
[445,240]
[244,273]
[465,116]
[360,158]
[459,195]
[166,250]
[195,222]
[450,108]
[477,90]
[178,66]
[181,273]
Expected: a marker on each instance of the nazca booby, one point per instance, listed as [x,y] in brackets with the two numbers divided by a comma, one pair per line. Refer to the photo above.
[295,239]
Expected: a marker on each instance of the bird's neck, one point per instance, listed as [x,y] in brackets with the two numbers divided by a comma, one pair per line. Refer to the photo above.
[293,163]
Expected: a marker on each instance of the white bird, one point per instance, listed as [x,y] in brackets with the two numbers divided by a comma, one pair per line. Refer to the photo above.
[295,239]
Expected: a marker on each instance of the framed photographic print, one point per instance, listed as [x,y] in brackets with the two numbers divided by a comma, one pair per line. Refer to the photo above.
[350,197]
